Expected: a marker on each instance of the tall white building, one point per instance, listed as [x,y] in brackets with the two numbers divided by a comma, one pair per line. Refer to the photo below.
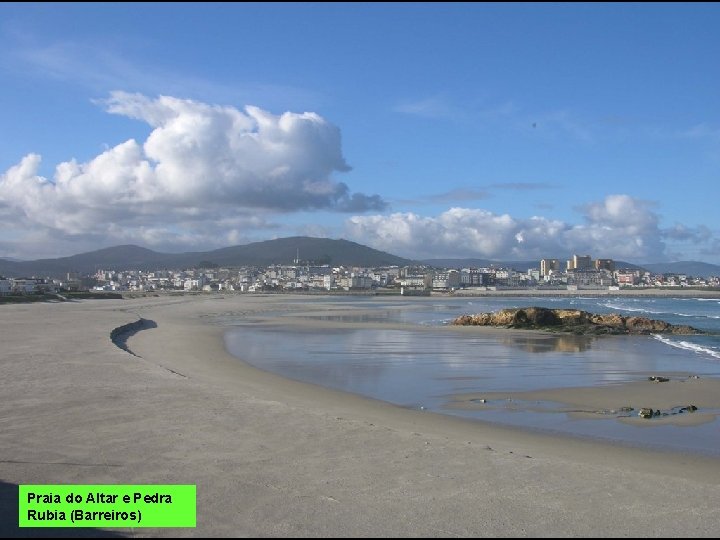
[580,262]
[548,266]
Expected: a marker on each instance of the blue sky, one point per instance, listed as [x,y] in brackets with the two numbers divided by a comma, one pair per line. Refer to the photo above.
[430,130]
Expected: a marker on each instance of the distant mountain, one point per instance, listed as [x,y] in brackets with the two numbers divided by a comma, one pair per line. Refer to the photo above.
[283,251]
[318,250]
[520,266]
[115,257]
[622,265]
[690,268]
[280,251]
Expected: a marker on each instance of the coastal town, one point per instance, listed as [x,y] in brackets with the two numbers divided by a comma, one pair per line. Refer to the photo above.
[580,272]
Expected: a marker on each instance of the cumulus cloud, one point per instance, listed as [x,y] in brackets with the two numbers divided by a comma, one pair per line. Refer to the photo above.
[200,164]
[620,227]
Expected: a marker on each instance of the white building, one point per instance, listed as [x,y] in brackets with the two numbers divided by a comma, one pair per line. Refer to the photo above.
[5,286]
[549,266]
[580,262]
[194,284]
[446,281]
[24,286]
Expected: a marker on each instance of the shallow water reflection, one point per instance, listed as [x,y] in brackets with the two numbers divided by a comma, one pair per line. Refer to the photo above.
[544,344]
[425,366]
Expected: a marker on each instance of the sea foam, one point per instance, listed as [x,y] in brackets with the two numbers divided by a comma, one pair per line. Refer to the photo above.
[688,346]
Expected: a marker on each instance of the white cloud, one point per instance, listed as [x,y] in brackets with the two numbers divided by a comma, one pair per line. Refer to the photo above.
[201,164]
[562,123]
[699,131]
[434,108]
[695,235]
[507,115]
[619,227]
[447,197]
[101,65]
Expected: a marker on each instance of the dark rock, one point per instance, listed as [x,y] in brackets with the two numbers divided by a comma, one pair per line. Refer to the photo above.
[658,379]
[572,320]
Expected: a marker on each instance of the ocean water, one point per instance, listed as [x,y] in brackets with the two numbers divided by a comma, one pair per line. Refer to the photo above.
[422,366]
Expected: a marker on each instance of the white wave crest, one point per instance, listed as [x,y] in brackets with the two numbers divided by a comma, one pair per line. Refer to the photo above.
[633,309]
[622,307]
[686,345]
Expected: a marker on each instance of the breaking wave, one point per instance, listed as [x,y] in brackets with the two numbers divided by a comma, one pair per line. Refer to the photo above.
[688,346]
[623,307]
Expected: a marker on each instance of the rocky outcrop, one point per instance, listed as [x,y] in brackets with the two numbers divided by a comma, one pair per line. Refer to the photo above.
[574,321]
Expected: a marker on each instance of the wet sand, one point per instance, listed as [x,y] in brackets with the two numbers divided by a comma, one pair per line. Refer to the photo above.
[622,401]
[274,457]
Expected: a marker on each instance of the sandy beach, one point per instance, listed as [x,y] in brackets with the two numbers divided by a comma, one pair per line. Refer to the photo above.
[274,457]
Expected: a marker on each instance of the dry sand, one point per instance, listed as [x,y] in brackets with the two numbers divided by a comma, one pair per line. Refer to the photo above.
[272,457]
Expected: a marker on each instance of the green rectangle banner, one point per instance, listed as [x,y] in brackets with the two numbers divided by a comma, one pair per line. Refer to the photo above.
[107,506]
